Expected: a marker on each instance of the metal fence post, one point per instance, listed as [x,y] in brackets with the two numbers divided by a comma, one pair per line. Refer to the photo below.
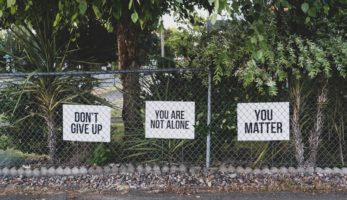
[208,140]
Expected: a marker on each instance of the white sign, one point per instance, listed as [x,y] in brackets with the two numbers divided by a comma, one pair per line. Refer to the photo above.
[86,123]
[170,119]
[263,121]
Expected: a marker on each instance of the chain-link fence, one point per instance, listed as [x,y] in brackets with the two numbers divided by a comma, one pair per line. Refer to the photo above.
[35,118]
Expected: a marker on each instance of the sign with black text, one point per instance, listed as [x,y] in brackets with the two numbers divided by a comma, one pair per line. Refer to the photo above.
[263,121]
[86,123]
[170,119]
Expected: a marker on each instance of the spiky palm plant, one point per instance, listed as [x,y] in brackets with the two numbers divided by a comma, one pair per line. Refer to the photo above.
[41,53]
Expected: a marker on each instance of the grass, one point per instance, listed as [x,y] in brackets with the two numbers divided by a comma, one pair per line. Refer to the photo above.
[104,90]
[117,132]
[11,157]
[117,110]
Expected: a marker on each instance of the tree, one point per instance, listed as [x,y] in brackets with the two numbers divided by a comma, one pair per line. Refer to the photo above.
[129,19]
[44,49]
[180,44]
[289,41]
[44,19]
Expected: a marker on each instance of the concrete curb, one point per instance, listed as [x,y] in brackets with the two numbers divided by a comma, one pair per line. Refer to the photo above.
[165,169]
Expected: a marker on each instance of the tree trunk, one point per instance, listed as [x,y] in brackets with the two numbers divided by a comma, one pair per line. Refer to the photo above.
[127,35]
[314,139]
[52,137]
[296,126]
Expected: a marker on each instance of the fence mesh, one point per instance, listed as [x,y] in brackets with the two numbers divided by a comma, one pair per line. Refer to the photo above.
[31,120]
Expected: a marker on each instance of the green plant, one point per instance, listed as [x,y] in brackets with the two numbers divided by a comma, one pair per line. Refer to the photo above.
[39,98]
[5,142]
[154,150]
[101,155]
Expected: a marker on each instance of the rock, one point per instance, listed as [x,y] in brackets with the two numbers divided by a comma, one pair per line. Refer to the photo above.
[328,170]
[13,171]
[44,171]
[123,188]
[91,171]
[148,169]
[283,170]
[67,171]
[344,170]
[256,171]
[123,169]
[114,169]
[337,171]
[20,171]
[209,183]
[240,170]
[83,170]
[248,170]
[131,168]
[182,168]
[319,170]
[274,170]
[59,171]
[165,169]
[300,170]
[213,170]
[139,169]
[156,169]
[5,171]
[36,172]
[75,171]
[28,172]
[194,170]
[265,171]
[106,169]
[292,171]
[233,175]
[309,170]
[173,169]
[223,168]
[98,170]
[231,169]
[51,171]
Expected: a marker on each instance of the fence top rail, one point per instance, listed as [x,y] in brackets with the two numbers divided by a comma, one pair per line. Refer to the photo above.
[76,73]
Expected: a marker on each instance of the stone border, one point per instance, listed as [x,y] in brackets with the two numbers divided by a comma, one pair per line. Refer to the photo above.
[165,169]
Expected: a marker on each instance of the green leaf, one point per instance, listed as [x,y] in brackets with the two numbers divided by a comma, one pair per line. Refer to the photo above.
[308,20]
[56,20]
[96,11]
[326,9]
[285,3]
[216,5]
[305,7]
[13,10]
[142,23]
[253,40]
[10,3]
[312,12]
[213,18]
[1,13]
[179,1]
[82,6]
[134,17]
[130,4]
[109,27]
[259,55]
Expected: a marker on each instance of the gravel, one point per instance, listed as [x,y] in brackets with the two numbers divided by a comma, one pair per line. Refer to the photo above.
[174,178]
